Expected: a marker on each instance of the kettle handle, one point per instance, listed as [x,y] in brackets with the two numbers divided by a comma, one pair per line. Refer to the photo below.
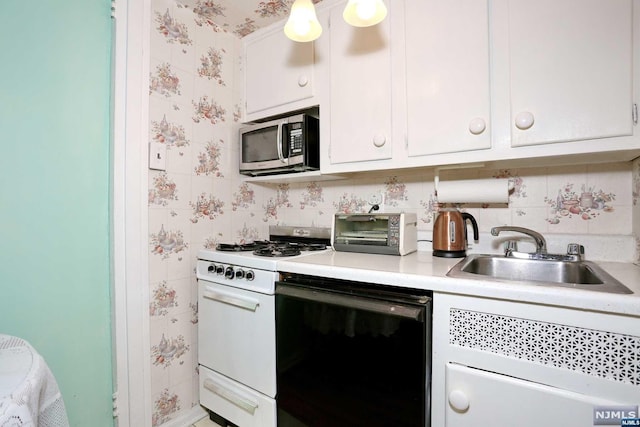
[474,224]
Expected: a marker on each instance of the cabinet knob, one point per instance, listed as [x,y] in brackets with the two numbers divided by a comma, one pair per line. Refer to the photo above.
[524,120]
[459,401]
[477,126]
[379,140]
[303,81]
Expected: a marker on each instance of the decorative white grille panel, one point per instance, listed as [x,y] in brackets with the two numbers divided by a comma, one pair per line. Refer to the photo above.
[601,354]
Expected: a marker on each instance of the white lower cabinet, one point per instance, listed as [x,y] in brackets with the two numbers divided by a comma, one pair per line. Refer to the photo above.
[504,363]
[235,402]
[479,398]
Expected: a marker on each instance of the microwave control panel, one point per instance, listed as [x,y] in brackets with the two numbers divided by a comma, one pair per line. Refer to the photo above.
[295,138]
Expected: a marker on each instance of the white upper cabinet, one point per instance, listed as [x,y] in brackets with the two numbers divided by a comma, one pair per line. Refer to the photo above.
[360,91]
[444,82]
[571,65]
[447,76]
[279,74]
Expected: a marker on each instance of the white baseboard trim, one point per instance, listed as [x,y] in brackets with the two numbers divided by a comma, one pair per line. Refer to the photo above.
[188,418]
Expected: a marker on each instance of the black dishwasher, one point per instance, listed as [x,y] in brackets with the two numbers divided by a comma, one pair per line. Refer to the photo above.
[351,354]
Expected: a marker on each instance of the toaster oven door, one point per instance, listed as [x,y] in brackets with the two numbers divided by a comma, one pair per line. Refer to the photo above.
[370,230]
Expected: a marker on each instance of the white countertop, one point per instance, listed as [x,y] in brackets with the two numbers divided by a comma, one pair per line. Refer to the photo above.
[421,270]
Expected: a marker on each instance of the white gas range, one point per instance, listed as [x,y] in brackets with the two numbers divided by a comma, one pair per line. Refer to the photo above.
[236,325]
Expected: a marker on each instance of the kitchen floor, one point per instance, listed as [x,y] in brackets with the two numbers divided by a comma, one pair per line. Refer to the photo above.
[205,422]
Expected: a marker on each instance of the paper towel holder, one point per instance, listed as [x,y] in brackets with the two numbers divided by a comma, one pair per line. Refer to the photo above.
[436,177]
[462,194]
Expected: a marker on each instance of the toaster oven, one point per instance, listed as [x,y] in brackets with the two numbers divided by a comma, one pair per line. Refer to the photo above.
[375,233]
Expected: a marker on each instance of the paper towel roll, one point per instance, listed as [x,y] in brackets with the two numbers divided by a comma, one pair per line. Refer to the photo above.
[474,191]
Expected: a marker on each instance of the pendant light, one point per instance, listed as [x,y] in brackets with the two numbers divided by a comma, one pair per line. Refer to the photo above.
[364,13]
[303,25]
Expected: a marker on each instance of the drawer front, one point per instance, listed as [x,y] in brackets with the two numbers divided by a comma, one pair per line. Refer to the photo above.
[235,402]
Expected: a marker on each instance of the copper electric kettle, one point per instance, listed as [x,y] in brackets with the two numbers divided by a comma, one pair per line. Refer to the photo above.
[450,233]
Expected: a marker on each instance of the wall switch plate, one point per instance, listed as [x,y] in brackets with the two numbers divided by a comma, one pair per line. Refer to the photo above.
[157,156]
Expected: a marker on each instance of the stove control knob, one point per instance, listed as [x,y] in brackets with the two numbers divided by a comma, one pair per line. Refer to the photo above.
[239,274]
[211,268]
[219,269]
[229,273]
[249,275]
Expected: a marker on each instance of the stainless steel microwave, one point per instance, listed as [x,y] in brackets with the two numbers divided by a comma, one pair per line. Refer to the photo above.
[288,144]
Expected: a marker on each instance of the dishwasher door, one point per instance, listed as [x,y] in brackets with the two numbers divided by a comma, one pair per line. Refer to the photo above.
[351,354]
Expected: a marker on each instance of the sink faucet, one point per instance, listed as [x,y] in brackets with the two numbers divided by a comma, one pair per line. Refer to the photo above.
[541,244]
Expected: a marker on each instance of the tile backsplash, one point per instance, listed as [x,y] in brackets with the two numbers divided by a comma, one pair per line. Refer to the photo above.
[594,199]
[201,200]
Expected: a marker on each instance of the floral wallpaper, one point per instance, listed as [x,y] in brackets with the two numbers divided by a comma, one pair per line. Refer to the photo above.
[193,108]
[239,17]
[200,199]
[596,199]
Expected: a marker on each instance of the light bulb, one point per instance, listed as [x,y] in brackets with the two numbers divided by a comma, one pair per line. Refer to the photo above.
[364,13]
[365,9]
[303,25]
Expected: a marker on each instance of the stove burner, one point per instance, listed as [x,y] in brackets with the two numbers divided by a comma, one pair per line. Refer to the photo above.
[277,250]
[284,249]
[271,248]
[312,247]
[304,247]
[241,247]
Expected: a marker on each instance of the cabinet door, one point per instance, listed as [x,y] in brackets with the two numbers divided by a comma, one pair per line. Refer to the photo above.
[571,70]
[278,71]
[447,60]
[360,91]
[481,398]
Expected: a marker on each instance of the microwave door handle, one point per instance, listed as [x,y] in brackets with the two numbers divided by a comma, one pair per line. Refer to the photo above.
[279,142]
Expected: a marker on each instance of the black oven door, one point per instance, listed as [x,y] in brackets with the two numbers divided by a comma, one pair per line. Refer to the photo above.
[351,354]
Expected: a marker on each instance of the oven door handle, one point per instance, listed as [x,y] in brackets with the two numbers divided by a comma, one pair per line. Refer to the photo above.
[387,308]
[240,401]
[237,301]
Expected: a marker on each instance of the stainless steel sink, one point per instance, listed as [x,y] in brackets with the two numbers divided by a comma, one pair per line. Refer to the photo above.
[572,274]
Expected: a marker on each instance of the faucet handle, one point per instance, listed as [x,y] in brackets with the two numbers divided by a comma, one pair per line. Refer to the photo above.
[510,246]
[575,249]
